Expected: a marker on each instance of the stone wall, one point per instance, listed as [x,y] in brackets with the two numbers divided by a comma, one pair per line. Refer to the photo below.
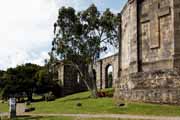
[156,35]
[72,82]
[68,76]
[147,35]
[69,79]
[150,52]
[101,70]
[147,67]
[162,86]
[129,38]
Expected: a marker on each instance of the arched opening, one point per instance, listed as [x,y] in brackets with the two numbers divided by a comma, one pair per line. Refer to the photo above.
[109,76]
[78,78]
[94,74]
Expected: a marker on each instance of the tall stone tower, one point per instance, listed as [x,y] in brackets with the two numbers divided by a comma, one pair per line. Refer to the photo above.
[150,52]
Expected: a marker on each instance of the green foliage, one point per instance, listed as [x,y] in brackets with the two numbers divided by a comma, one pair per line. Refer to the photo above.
[1,73]
[25,80]
[19,80]
[81,36]
[49,97]
[42,76]
[43,81]
[110,79]
[4,107]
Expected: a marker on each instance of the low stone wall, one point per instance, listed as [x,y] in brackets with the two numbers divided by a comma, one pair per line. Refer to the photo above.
[161,86]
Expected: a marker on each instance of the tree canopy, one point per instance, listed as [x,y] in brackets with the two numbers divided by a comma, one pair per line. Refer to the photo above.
[24,80]
[81,36]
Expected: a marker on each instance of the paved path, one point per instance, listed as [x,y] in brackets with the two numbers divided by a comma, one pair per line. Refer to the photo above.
[20,107]
[3,114]
[108,116]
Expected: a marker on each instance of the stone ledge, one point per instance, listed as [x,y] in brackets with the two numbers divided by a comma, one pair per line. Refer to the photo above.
[162,86]
[160,96]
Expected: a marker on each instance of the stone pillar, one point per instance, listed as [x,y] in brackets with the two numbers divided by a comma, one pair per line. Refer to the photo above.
[129,38]
[134,53]
[61,73]
[98,69]
[100,74]
[115,66]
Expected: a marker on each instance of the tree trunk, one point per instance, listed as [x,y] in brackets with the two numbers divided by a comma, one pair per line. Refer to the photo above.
[86,74]
[29,95]
[90,85]
[93,81]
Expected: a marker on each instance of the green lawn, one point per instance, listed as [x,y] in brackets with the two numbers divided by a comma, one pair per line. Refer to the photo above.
[3,107]
[99,106]
[102,106]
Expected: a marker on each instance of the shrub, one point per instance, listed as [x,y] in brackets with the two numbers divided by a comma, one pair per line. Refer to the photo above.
[29,109]
[101,94]
[28,103]
[49,97]
[106,93]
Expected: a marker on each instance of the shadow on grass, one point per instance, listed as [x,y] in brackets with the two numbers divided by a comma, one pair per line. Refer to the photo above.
[33,100]
[76,99]
[38,100]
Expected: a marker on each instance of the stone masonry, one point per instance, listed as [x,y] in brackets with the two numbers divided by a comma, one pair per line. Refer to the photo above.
[150,52]
[101,67]
[70,82]
[147,68]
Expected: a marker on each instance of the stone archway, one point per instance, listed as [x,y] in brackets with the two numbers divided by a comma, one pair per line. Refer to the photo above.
[102,66]
[109,76]
[94,74]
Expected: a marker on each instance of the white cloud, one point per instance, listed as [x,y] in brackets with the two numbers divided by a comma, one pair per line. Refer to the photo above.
[77,4]
[26,28]
[40,60]
[26,31]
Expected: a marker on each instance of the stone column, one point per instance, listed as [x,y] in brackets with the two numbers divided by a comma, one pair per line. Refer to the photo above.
[134,37]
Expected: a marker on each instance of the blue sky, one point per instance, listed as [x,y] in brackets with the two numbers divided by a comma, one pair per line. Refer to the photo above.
[26,27]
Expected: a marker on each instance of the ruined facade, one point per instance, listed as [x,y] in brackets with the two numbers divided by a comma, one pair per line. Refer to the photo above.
[150,52]
[71,83]
[147,68]
[101,69]
[69,79]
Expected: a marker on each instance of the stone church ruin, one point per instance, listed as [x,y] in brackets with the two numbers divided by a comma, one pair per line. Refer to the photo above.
[147,68]
[70,80]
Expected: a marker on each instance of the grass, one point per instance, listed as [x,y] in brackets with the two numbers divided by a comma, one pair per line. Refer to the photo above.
[4,107]
[99,106]
[102,106]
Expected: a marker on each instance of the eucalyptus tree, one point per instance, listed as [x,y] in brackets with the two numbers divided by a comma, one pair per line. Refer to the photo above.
[79,37]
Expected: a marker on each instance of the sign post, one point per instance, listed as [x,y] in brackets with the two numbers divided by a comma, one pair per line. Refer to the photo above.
[12,107]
